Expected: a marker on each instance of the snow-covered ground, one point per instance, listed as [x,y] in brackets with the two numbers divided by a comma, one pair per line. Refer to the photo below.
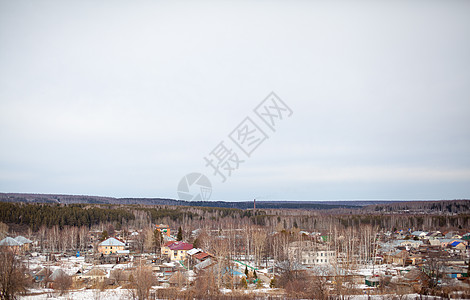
[115,294]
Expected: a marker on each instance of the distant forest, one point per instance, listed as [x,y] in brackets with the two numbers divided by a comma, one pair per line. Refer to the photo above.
[79,199]
[414,215]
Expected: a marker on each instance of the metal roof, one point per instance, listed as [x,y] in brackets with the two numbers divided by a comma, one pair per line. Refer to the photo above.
[112,242]
[8,241]
[23,240]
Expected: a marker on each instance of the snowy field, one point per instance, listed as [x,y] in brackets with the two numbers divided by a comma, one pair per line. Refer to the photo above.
[115,294]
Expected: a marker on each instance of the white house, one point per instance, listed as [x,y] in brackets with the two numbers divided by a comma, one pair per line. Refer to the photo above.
[311,254]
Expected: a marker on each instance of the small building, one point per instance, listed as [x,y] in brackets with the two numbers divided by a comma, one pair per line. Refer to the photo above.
[25,243]
[415,279]
[176,250]
[165,249]
[455,272]
[11,244]
[111,245]
[42,274]
[94,275]
[178,279]
[164,229]
[411,244]
[372,281]
[420,234]
[311,254]
[398,257]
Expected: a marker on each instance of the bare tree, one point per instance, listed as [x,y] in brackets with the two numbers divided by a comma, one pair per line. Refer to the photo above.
[62,283]
[143,280]
[12,275]
[259,241]
[3,230]
[205,286]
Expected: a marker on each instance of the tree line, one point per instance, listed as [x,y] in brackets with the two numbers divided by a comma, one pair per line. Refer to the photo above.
[38,215]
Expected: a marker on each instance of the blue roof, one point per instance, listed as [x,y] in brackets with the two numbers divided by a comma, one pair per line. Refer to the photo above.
[455,243]
[233,272]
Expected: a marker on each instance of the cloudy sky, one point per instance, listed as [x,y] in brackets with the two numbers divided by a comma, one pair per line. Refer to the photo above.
[124,98]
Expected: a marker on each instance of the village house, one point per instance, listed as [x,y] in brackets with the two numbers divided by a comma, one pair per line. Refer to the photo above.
[11,244]
[458,247]
[178,279]
[197,255]
[176,250]
[25,243]
[57,274]
[94,275]
[311,254]
[411,244]
[397,257]
[111,245]
[164,229]
[42,274]
[420,234]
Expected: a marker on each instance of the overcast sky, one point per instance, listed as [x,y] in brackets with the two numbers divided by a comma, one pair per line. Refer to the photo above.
[124,98]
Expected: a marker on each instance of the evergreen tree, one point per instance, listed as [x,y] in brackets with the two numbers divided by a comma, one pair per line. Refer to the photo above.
[104,235]
[179,237]
[246,271]
[254,274]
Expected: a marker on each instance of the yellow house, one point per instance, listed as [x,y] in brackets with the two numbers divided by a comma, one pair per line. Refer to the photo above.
[25,243]
[110,245]
[176,250]
[11,244]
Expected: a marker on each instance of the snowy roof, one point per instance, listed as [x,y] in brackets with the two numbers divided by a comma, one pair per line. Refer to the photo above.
[95,272]
[43,272]
[8,241]
[112,242]
[194,251]
[56,274]
[23,240]
[204,264]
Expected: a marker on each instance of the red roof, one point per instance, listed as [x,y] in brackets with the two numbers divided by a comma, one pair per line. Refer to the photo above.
[167,244]
[180,246]
[201,255]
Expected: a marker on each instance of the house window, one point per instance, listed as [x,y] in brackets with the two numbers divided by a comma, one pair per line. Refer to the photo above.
[175,253]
